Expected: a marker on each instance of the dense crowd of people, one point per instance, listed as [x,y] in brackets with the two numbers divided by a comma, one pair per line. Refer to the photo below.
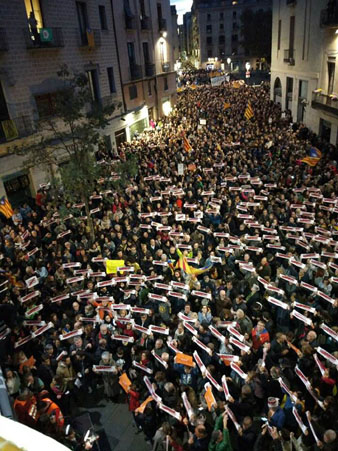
[221,326]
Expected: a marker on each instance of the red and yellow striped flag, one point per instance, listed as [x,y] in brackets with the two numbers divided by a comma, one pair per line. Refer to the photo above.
[249,112]
[313,159]
[6,208]
[186,144]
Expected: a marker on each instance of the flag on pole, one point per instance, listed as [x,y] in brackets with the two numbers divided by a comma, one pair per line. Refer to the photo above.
[249,112]
[6,208]
[186,144]
[314,156]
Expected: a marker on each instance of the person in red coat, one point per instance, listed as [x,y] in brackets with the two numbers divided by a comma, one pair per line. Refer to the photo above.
[134,403]
[133,398]
[259,335]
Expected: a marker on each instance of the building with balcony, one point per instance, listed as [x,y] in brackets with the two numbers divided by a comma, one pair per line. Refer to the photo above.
[145,32]
[36,38]
[175,44]
[216,32]
[186,35]
[303,69]
[124,51]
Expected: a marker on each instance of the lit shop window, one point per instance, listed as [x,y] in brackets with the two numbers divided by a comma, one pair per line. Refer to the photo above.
[33,9]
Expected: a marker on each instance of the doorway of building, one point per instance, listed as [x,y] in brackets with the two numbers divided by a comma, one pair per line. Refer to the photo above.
[17,187]
[277,91]
[325,130]
[120,137]
[289,92]
[302,100]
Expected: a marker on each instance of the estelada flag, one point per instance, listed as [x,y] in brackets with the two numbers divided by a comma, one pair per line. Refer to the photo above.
[90,38]
[314,156]
[125,382]
[249,112]
[226,105]
[6,208]
[184,265]
[186,144]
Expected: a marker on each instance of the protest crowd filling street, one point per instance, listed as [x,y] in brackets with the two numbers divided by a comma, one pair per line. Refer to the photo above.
[208,300]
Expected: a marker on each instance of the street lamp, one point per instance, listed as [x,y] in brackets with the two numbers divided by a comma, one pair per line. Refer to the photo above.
[229,63]
[247,67]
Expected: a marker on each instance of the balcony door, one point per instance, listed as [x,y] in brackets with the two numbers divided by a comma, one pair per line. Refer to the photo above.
[292,37]
[289,92]
[331,68]
[146,55]
[325,130]
[82,17]
[131,53]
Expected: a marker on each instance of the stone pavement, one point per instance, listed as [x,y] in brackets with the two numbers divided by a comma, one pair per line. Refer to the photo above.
[116,421]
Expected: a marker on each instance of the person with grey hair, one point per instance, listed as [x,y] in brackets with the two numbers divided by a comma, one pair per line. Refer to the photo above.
[110,380]
[160,437]
[244,322]
[330,440]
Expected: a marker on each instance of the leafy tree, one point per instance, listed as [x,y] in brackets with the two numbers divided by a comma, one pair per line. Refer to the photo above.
[256,32]
[72,134]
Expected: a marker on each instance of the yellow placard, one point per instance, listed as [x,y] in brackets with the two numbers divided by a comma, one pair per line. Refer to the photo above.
[144,404]
[112,265]
[125,382]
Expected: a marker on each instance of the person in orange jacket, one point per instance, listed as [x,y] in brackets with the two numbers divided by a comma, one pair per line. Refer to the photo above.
[51,409]
[259,335]
[25,408]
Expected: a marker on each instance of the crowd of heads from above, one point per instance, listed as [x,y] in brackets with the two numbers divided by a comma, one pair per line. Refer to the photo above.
[209,296]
